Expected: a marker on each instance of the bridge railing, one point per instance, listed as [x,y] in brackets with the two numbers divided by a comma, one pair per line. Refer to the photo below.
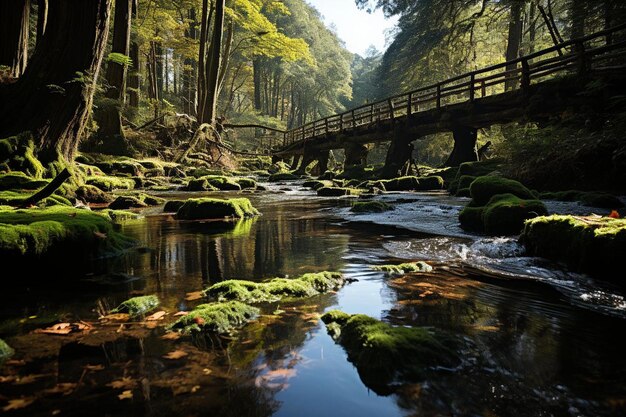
[598,52]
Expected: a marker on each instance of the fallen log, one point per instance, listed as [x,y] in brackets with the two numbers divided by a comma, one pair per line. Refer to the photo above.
[48,190]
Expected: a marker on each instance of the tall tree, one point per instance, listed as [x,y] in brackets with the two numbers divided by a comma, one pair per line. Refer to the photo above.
[213,63]
[14,19]
[53,97]
[514,39]
[42,18]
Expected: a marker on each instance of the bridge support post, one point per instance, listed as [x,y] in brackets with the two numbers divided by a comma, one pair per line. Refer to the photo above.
[311,156]
[296,161]
[356,155]
[399,153]
[464,146]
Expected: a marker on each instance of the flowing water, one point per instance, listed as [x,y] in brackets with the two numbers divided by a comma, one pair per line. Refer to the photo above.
[538,340]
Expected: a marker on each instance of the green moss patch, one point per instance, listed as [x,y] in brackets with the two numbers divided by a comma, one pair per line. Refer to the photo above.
[92,194]
[336,192]
[370,207]
[138,306]
[430,183]
[214,208]
[6,351]
[401,184]
[482,189]
[19,181]
[283,176]
[63,231]
[106,183]
[317,184]
[591,244]
[478,169]
[404,268]
[137,201]
[216,317]
[385,354]
[275,289]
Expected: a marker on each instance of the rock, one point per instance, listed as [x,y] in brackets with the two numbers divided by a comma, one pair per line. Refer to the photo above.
[482,189]
[335,192]
[216,317]
[370,207]
[92,194]
[214,208]
[283,176]
[172,206]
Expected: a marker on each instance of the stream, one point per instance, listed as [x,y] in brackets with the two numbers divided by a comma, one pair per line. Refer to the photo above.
[539,340]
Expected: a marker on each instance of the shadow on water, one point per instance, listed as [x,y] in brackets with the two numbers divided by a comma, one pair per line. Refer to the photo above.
[527,350]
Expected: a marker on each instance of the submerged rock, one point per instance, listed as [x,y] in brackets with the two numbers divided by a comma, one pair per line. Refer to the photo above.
[275,289]
[214,208]
[404,268]
[138,306]
[370,207]
[216,317]
[590,244]
[386,354]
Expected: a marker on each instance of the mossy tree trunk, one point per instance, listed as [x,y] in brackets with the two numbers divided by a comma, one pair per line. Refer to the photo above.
[108,115]
[190,68]
[514,39]
[133,86]
[53,97]
[14,19]
[464,146]
[213,64]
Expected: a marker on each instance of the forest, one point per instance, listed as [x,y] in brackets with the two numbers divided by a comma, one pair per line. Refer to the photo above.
[224,207]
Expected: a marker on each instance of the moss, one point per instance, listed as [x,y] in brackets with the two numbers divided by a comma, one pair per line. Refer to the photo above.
[106,183]
[477,169]
[6,351]
[275,289]
[138,306]
[401,184]
[246,183]
[92,194]
[216,317]
[430,183]
[471,219]
[336,191]
[283,176]
[18,154]
[213,208]
[126,202]
[370,207]
[19,181]
[15,198]
[465,181]
[482,189]
[595,245]
[385,354]
[215,182]
[404,268]
[173,206]
[463,192]
[60,230]
[120,166]
[199,184]
[317,184]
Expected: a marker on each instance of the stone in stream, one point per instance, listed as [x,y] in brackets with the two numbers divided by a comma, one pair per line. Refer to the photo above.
[215,208]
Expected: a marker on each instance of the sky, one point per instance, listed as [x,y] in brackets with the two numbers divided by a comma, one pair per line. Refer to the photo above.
[357,28]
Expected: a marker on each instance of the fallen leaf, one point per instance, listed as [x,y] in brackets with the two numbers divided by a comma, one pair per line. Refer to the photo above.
[65,328]
[15,362]
[116,317]
[64,388]
[176,354]
[28,379]
[192,296]
[124,383]
[181,313]
[126,395]
[103,236]
[195,389]
[614,214]
[93,368]
[171,336]
[18,403]
[207,371]
[151,324]
[156,316]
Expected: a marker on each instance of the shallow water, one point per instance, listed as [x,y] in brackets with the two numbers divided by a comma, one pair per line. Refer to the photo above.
[537,339]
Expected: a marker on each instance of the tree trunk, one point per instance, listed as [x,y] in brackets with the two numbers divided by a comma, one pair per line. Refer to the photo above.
[577,15]
[514,41]
[14,19]
[108,116]
[158,68]
[256,72]
[53,97]
[42,19]
[190,68]
[204,29]
[213,65]
[464,146]
[133,76]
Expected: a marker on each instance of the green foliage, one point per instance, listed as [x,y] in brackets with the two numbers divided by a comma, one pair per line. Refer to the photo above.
[5,351]
[213,208]
[106,183]
[276,289]
[404,268]
[120,59]
[138,306]
[216,317]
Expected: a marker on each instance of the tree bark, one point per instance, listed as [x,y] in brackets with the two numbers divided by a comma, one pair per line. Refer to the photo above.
[514,40]
[53,97]
[190,68]
[577,15]
[464,146]
[256,73]
[213,65]
[158,68]
[14,19]
[204,28]
[133,85]
[42,19]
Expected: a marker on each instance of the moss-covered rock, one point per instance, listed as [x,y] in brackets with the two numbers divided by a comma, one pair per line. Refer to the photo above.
[275,289]
[430,183]
[16,198]
[17,180]
[6,351]
[92,194]
[106,183]
[482,189]
[385,354]
[336,191]
[370,207]
[173,206]
[461,183]
[504,214]
[317,184]
[56,232]
[283,176]
[591,244]
[138,306]
[214,208]
[137,201]
[480,168]
[404,268]
[216,317]
[246,183]
[409,183]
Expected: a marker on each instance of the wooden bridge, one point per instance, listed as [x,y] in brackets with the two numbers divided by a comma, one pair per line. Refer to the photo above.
[532,87]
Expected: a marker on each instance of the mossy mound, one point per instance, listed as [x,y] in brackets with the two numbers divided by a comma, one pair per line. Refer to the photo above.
[595,245]
[120,166]
[482,189]
[461,183]
[504,214]
[283,176]
[216,317]
[214,208]
[19,181]
[317,184]
[57,232]
[106,183]
[6,351]
[246,183]
[480,168]
[404,268]
[592,199]
[173,206]
[370,207]
[92,194]
[138,306]
[430,183]
[385,354]
[409,183]
[17,153]
[16,198]
[219,182]
[199,184]
[137,201]
[336,191]
[275,289]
